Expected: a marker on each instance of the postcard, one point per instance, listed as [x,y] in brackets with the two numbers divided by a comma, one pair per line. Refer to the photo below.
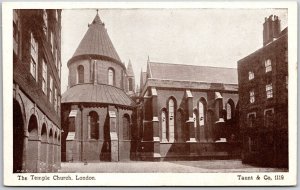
[150,94]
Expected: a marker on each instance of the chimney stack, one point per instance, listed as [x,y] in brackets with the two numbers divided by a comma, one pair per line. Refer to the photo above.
[271,29]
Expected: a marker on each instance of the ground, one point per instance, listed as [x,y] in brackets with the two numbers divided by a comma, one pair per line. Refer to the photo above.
[203,166]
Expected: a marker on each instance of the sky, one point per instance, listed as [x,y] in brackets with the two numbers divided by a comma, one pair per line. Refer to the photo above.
[206,37]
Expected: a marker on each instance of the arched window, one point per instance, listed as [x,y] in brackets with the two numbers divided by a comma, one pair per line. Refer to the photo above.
[229,109]
[171,120]
[80,74]
[130,84]
[111,76]
[94,125]
[201,114]
[163,126]
[126,127]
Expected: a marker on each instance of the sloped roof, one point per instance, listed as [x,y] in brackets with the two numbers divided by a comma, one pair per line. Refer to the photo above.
[96,93]
[180,72]
[97,42]
[129,69]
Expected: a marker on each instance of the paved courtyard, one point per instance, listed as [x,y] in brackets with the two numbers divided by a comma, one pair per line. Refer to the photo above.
[203,166]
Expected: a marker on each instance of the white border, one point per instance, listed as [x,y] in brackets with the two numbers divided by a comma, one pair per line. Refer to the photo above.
[149,179]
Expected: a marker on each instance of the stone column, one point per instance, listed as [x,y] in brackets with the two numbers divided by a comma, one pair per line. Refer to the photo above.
[114,147]
[44,155]
[33,155]
[155,125]
[25,145]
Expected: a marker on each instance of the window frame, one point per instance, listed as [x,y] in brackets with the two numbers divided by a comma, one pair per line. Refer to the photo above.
[111,76]
[171,120]
[251,75]
[201,113]
[266,122]
[268,65]
[44,76]
[80,74]
[252,96]
[34,56]
[269,91]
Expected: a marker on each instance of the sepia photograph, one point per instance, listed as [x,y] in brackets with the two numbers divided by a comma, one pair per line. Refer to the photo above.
[153,92]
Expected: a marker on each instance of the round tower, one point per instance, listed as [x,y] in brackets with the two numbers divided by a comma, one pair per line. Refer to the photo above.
[97,113]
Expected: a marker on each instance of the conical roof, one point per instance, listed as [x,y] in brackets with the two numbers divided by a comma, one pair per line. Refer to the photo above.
[129,69]
[97,43]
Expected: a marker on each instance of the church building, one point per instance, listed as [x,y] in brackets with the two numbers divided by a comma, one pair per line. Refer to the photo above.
[180,111]
[98,115]
[188,112]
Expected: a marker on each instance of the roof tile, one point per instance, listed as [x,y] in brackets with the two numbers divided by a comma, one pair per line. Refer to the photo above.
[180,72]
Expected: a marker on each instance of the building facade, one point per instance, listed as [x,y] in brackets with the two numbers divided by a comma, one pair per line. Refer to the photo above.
[98,115]
[188,112]
[36,90]
[263,96]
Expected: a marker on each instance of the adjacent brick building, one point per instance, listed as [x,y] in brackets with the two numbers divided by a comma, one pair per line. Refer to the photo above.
[36,90]
[263,97]
[188,112]
[98,115]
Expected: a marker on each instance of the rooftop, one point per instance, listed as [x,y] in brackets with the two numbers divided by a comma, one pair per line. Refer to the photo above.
[180,72]
[99,93]
[97,42]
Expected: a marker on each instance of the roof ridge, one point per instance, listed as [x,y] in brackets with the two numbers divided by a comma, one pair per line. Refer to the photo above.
[192,65]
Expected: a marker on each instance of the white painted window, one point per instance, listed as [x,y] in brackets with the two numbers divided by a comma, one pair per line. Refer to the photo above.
[171,120]
[268,65]
[228,111]
[251,75]
[34,56]
[269,90]
[163,126]
[252,96]
[201,114]
[44,82]
[50,89]
[110,76]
